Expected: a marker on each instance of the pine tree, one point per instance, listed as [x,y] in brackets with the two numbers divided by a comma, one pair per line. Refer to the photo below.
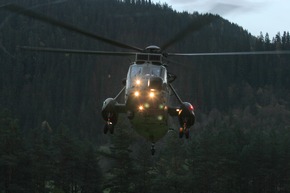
[171,171]
[120,177]
[13,161]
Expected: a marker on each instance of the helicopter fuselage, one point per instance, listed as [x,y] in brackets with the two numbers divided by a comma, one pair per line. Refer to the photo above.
[146,99]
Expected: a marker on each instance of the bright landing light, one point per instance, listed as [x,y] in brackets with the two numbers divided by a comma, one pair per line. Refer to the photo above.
[138,82]
[141,108]
[136,93]
[151,94]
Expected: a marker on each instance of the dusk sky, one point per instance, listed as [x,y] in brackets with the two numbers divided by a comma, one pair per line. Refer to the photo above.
[255,16]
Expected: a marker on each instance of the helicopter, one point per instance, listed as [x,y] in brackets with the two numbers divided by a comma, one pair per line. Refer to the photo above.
[147,99]
[148,86]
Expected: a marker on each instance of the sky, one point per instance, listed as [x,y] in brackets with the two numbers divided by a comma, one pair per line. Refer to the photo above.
[255,16]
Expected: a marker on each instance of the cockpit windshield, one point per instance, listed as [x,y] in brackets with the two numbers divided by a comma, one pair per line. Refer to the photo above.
[136,71]
[139,72]
[142,70]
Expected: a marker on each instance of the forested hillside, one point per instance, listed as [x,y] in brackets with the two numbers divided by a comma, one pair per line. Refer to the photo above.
[51,131]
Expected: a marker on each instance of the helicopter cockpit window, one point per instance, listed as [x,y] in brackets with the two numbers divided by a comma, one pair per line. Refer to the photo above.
[141,70]
[155,72]
[135,71]
[158,71]
[152,71]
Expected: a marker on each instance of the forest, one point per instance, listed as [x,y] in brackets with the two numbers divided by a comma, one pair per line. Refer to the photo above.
[51,128]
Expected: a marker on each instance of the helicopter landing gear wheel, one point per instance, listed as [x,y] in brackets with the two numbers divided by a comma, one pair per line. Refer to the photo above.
[111,129]
[109,126]
[106,129]
[180,132]
[153,149]
[184,131]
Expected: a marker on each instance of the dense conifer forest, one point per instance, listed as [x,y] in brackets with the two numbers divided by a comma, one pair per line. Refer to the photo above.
[51,130]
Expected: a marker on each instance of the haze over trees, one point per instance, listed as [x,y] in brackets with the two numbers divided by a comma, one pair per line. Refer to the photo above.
[51,137]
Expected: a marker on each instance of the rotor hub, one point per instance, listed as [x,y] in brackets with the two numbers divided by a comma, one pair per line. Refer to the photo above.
[153,49]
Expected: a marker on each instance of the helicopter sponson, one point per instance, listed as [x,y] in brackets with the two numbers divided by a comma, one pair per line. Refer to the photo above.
[109,111]
[186,115]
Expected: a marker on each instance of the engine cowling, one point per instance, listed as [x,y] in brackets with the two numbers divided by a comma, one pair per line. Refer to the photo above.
[186,115]
[109,112]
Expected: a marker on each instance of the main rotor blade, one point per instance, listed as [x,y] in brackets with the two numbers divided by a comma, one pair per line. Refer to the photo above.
[192,27]
[49,20]
[232,53]
[72,51]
